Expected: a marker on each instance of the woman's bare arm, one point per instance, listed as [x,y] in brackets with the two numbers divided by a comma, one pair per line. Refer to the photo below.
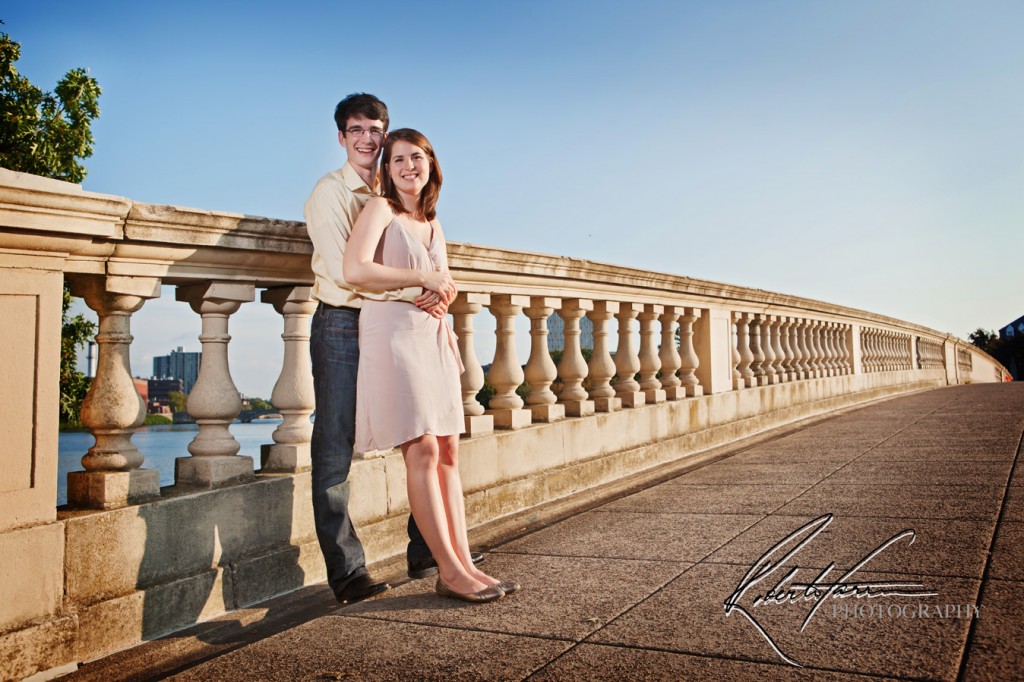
[359,268]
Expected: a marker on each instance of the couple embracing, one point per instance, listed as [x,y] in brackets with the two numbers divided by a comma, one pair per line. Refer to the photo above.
[385,362]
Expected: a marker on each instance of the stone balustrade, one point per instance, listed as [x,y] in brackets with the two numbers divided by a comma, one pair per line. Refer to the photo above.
[678,364]
[964,360]
[929,354]
[886,350]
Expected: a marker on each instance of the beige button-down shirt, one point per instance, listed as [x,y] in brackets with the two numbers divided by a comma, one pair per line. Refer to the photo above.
[330,212]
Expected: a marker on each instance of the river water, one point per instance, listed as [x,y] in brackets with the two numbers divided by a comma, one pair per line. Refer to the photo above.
[160,445]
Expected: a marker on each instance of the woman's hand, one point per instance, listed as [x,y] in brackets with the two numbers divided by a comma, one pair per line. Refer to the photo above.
[434,303]
[440,282]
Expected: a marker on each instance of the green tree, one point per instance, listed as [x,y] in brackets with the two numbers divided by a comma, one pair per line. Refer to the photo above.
[178,401]
[984,339]
[46,134]
[74,333]
[259,404]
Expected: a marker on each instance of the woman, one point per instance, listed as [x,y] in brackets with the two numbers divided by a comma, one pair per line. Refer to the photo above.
[408,390]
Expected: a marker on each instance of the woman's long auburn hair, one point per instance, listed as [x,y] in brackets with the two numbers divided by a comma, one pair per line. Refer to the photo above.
[428,197]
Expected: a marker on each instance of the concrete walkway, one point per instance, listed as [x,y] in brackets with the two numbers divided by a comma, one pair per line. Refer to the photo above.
[636,587]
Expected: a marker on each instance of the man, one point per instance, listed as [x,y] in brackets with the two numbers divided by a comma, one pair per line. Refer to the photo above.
[330,212]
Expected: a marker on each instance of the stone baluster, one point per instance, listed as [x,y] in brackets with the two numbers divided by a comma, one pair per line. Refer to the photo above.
[766,348]
[806,365]
[838,341]
[828,356]
[833,349]
[627,362]
[788,371]
[743,344]
[540,369]
[737,378]
[806,339]
[865,350]
[601,369]
[844,349]
[113,409]
[293,393]
[462,309]
[668,354]
[779,356]
[690,361]
[754,340]
[214,401]
[650,363]
[506,374]
[573,367]
[817,355]
[837,350]
[887,353]
[821,348]
[794,346]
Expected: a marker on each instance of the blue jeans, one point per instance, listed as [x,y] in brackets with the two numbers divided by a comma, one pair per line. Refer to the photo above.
[334,350]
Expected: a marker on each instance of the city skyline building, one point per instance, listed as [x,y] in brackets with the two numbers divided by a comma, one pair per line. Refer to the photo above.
[179,364]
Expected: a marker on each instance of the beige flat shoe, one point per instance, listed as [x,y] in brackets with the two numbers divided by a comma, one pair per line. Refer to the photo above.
[509,586]
[488,594]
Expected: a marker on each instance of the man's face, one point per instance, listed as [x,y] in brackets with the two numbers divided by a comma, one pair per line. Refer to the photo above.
[362,140]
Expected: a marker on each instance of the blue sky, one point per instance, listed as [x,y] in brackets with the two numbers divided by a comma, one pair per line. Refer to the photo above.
[866,153]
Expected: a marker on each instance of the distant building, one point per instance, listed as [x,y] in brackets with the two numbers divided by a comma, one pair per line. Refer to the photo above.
[1015,328]
[160,391]
[1013,332]
[178,365]
[142,386]
[556,333]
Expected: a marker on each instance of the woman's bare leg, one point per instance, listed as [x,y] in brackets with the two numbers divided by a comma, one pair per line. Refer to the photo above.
[427,500]
[454,505]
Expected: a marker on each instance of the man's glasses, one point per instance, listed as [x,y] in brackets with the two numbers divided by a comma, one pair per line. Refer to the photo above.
[375,133]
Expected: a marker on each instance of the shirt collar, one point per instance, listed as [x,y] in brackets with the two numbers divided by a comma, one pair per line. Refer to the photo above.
[352,179]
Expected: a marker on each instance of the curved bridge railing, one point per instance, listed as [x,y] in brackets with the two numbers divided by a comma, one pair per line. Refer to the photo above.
[677,365]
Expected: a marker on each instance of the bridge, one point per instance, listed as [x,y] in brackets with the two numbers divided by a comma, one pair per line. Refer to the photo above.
[126,562]
[246,416]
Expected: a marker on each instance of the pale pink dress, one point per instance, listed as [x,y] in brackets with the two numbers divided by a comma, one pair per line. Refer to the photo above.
[409,364]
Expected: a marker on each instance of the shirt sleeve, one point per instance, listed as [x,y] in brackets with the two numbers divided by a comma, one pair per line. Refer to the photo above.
[330,213]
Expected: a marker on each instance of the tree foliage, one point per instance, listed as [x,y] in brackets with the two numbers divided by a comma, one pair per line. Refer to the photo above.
[259,404]
[1009,351]
[178,401]
[46,133]
[983,339]
[75,332]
